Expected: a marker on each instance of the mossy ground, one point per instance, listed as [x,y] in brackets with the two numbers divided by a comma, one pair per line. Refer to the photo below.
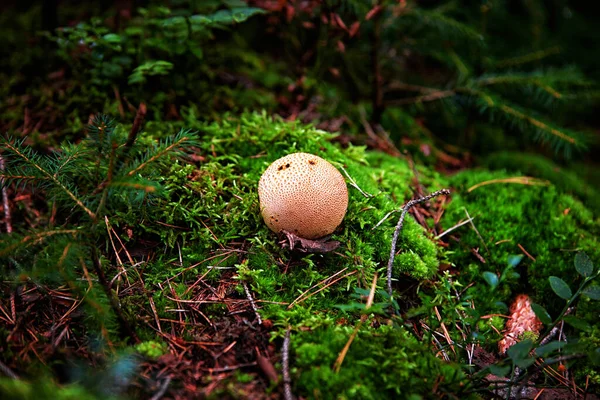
[203,238]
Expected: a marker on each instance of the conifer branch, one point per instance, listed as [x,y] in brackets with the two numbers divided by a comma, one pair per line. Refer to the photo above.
[36,238]
[161,152]
[51,177]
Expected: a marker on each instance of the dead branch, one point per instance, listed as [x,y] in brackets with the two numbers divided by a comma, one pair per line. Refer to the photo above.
[287,381]
[405,209]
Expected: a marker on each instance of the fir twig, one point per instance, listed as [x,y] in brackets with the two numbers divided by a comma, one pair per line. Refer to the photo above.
[405,209]
[50,177]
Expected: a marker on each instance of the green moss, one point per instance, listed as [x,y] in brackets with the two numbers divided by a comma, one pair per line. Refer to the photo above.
[42,389]
[541,167]
[382,363]
[151,349]
[547,224]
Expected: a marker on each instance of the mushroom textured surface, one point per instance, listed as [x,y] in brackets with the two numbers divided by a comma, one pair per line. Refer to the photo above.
[303,194]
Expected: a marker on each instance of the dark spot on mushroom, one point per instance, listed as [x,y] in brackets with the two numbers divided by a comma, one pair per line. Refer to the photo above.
[312,162]
[280,168]
[287,165]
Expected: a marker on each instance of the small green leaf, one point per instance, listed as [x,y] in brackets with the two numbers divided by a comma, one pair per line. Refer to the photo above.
[595,356]
[112,38]
[560,287]
[491,278]
[499,370]
[593,292]
[514,260]
[578,323]
[519,353]
[541,313]
[543,351]
[584,265]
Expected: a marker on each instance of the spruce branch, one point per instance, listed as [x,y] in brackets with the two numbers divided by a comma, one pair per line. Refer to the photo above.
[33,238]
[183,139]
[558,138]
[31,161]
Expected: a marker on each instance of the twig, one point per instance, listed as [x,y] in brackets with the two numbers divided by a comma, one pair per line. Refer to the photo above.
[554,331]
[125,326]
[163,389]
[477,232]
[287,381]
[525,251]
[252,303]
[522,180]
[405,209]
[136,127]
[301,298]
[354,184]
[453,228]
[7,371]
[6,206]
[385,217]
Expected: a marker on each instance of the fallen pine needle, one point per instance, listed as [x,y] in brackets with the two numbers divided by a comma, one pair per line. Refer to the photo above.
[338,362]
[522,180]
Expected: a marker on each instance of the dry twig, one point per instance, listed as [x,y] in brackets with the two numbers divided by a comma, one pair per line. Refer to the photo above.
[287,381]
[252,303]
[399,228]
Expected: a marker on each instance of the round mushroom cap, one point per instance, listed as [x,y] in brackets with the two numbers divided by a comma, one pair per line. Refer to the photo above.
[303,194]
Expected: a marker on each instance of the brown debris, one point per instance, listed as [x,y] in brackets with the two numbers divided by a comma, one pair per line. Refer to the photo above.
[522,319]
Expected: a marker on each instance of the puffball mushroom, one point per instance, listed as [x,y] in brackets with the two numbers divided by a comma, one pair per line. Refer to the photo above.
[302,194]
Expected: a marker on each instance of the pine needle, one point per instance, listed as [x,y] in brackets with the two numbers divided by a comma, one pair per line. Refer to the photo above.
[340,359]
[522,180]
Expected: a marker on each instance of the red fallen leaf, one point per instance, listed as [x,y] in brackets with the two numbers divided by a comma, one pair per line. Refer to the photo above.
[354,28]
[373,12]
[324,19]
[308,25]
[335,72]
[341,47]
[425,149]
[340,22]
[289,13]
[566,211]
